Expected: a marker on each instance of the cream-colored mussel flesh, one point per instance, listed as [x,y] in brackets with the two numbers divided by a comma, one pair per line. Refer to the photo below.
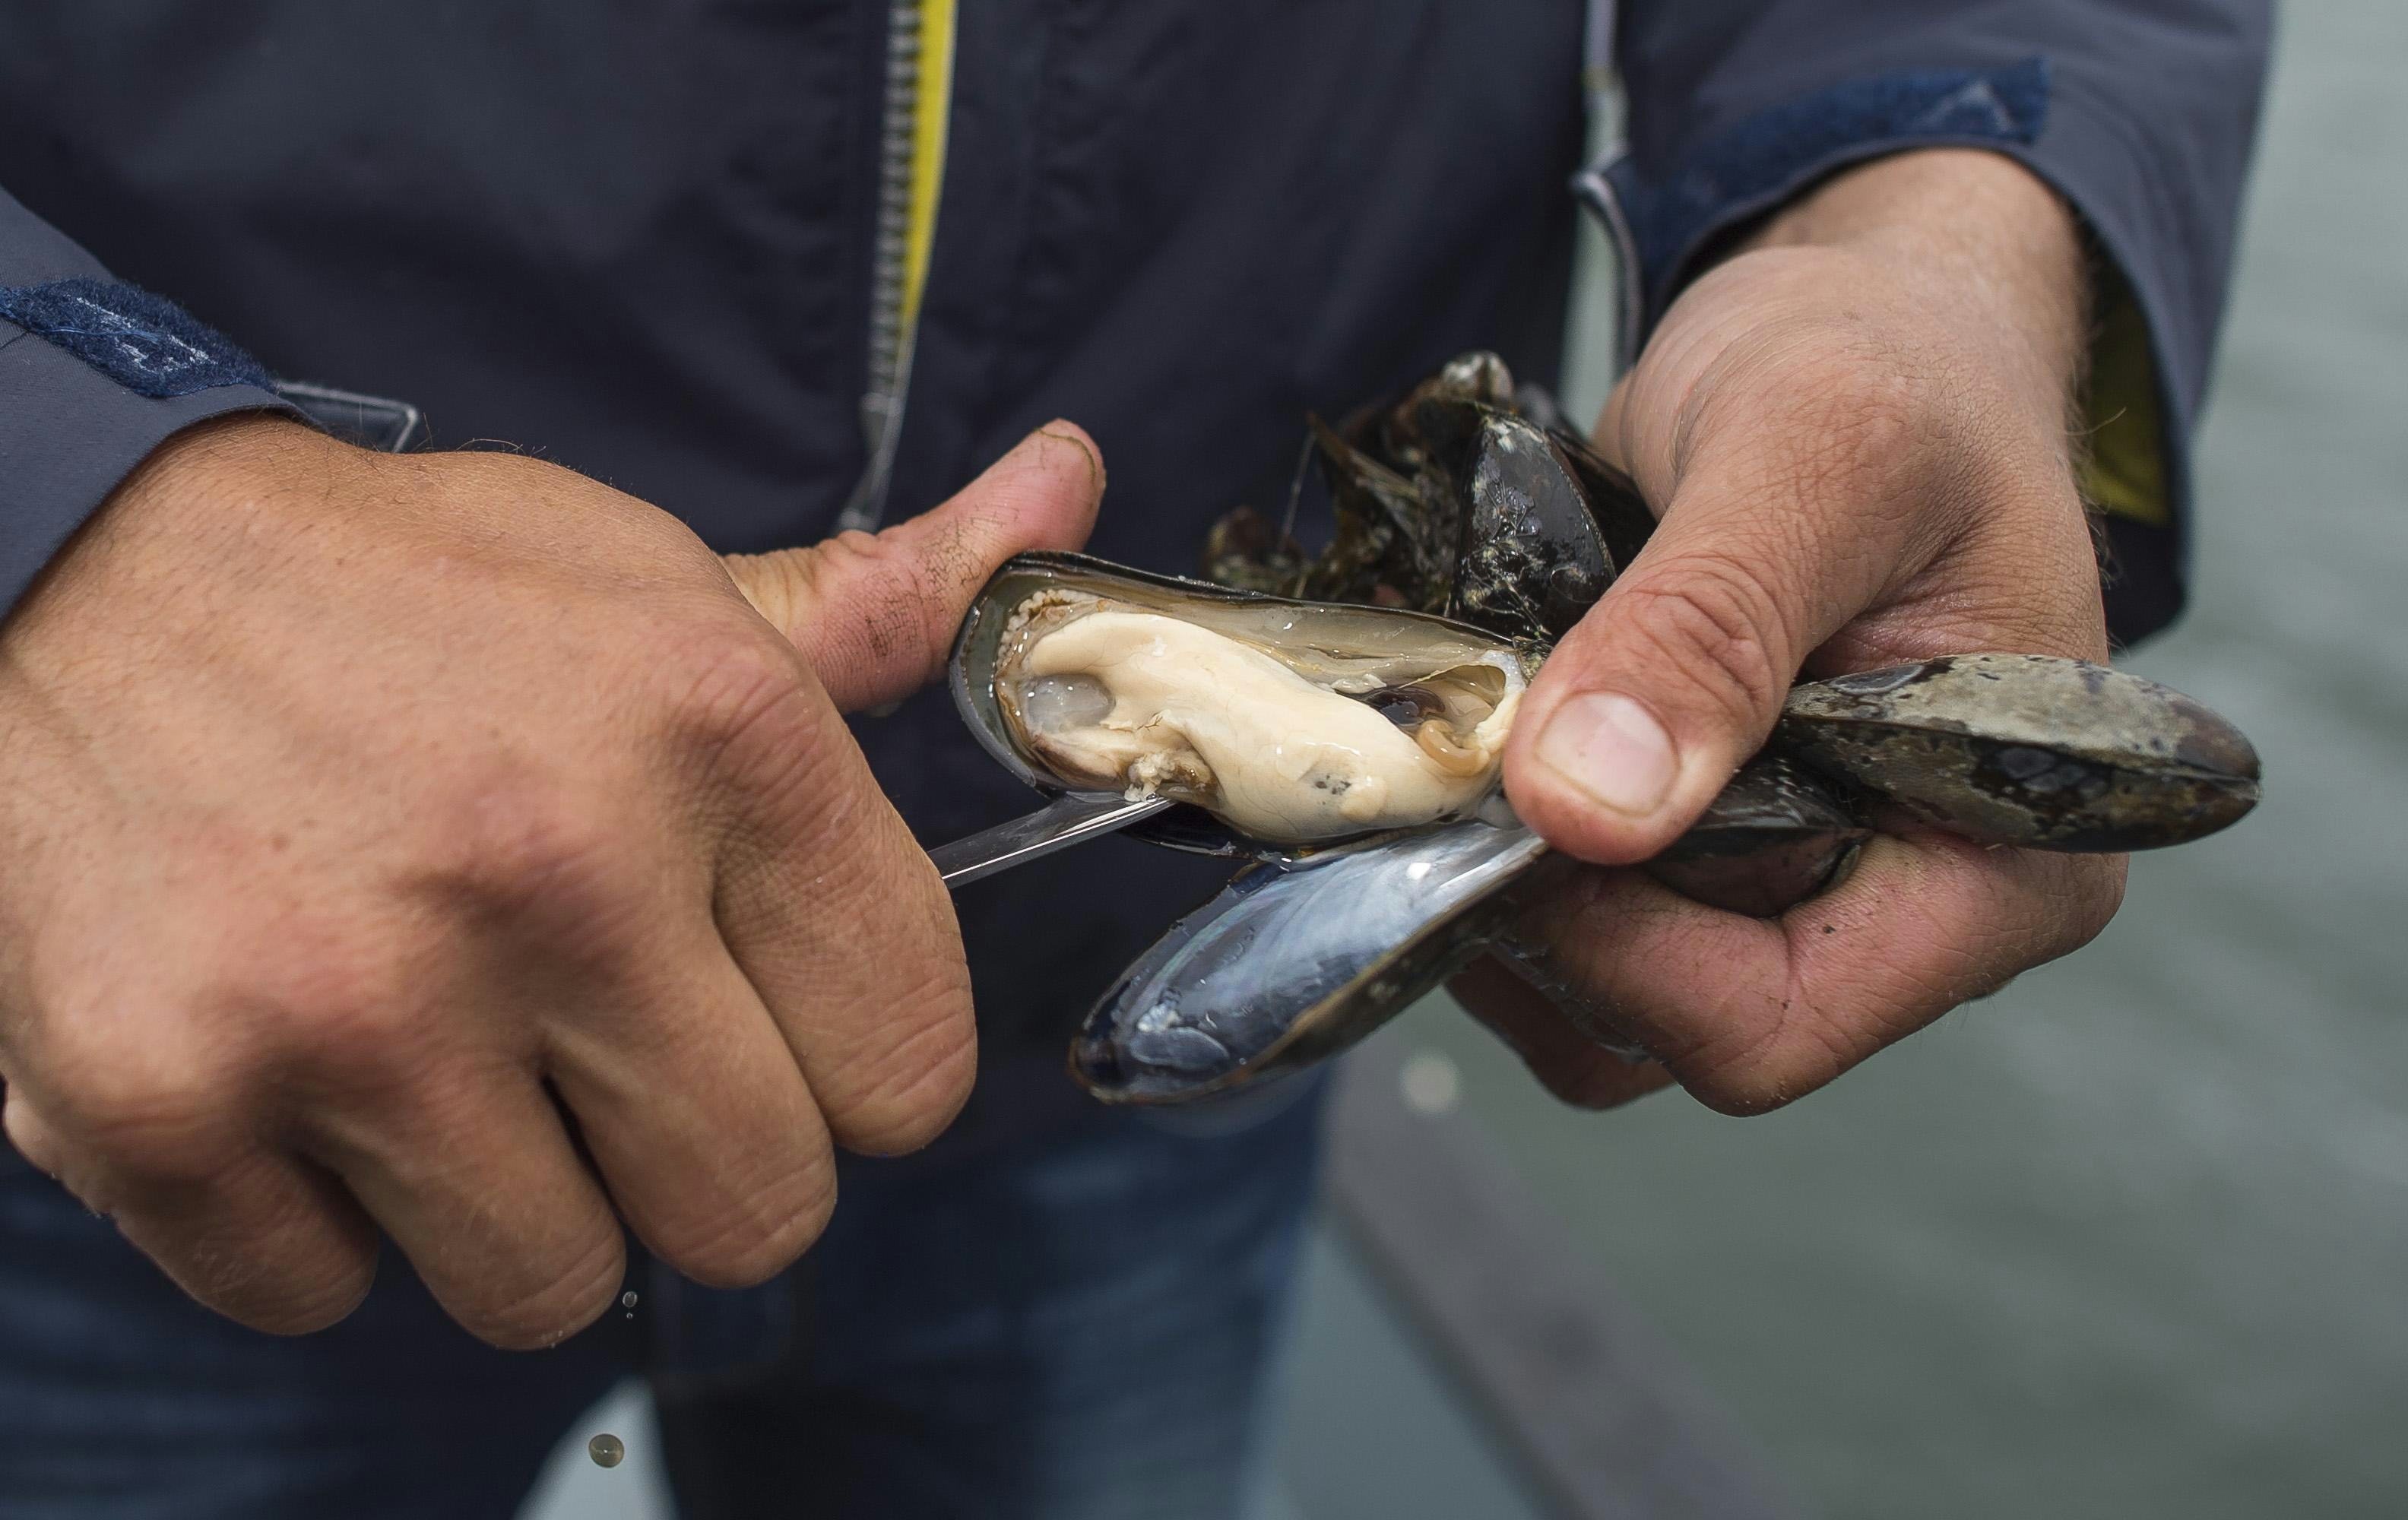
[1286,745]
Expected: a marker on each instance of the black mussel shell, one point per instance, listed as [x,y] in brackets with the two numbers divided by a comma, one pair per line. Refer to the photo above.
[1533,559]
[1775,836]
[1394,545]
[1477,379]
[1295,960]
[1621,511]
[2029,750]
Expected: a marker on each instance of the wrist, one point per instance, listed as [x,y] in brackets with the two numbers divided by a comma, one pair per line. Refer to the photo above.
[212,469]
[228,448]
[199,485]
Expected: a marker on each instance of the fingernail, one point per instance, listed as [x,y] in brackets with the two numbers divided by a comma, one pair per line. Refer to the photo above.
[1609,748]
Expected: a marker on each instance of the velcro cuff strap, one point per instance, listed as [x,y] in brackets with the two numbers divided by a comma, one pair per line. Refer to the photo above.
[1755,164]
[144,342]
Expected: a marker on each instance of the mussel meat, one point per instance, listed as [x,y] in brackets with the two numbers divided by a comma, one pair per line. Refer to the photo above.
[1294,724]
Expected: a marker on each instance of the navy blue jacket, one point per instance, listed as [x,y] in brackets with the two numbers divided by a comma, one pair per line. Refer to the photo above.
[638,238]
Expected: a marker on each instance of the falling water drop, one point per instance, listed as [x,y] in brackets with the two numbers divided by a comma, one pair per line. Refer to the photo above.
[627,1302]
[606,1449]
[1432,1083]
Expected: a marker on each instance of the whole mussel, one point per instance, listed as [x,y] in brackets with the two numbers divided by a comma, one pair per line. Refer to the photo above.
[2029,750]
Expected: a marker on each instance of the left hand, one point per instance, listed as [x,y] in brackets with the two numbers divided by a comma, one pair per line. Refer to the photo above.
[1855,434]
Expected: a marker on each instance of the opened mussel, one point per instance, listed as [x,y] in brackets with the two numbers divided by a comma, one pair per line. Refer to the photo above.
[1350,739]
[1293,722]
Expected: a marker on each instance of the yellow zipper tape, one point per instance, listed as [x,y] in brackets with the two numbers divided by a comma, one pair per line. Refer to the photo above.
[2123,472]
[933,112]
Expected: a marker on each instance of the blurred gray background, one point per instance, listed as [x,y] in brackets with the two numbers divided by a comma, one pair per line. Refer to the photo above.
[2132,1237]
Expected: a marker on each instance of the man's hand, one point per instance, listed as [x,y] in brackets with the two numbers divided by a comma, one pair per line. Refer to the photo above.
[446,844]
[1855,433]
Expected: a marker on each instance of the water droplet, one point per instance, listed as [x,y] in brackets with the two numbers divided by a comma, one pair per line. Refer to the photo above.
[1432,1084]
[606,1449]
[627,1299]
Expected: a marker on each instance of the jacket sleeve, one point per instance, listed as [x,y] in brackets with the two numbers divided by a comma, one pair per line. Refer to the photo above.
[2140,112]
[94,374]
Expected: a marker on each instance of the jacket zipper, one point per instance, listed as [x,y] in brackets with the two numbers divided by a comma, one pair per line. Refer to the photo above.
[910,173]
[1600,78]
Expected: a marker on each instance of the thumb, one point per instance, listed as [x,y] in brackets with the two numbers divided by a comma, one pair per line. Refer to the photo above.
[875,614]
[1645,708]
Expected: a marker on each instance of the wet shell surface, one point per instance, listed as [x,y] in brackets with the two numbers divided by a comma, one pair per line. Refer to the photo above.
[1776,835]
[1295,960]
[1292,722]
[2029,750]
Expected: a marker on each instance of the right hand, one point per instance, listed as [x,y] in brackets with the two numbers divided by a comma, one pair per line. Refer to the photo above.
[447,844]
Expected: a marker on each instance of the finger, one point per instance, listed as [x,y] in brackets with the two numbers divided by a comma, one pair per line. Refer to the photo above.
[693,1110]
[470,1169]
[852,946]
[1751,1013]
[838,919]
[28,1132]
[875,614]
[1646,708]
[1568,1058]
[264,1238]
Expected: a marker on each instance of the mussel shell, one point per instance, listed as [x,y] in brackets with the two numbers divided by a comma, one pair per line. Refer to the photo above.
[1394,433]
[1532,557]
[1337,638]
[1244,551]
[1774,836]
[2029,750]
[1396,539]
[1621,514]
[1296,960]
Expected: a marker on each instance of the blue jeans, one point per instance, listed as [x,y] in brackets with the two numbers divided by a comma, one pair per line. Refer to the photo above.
[1068,1324]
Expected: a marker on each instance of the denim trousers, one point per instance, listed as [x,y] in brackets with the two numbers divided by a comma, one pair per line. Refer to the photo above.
[1073,1324]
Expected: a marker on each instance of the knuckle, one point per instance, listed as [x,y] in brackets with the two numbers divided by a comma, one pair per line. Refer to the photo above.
[558,1304]
[267,1253]
[29,1134]
[519,848]
[314,1001]
[752,1237]
[785,582]
[1717,625]
[743,704]
[905,1094]
[148,1114]
[322,1298]
[135,1080]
